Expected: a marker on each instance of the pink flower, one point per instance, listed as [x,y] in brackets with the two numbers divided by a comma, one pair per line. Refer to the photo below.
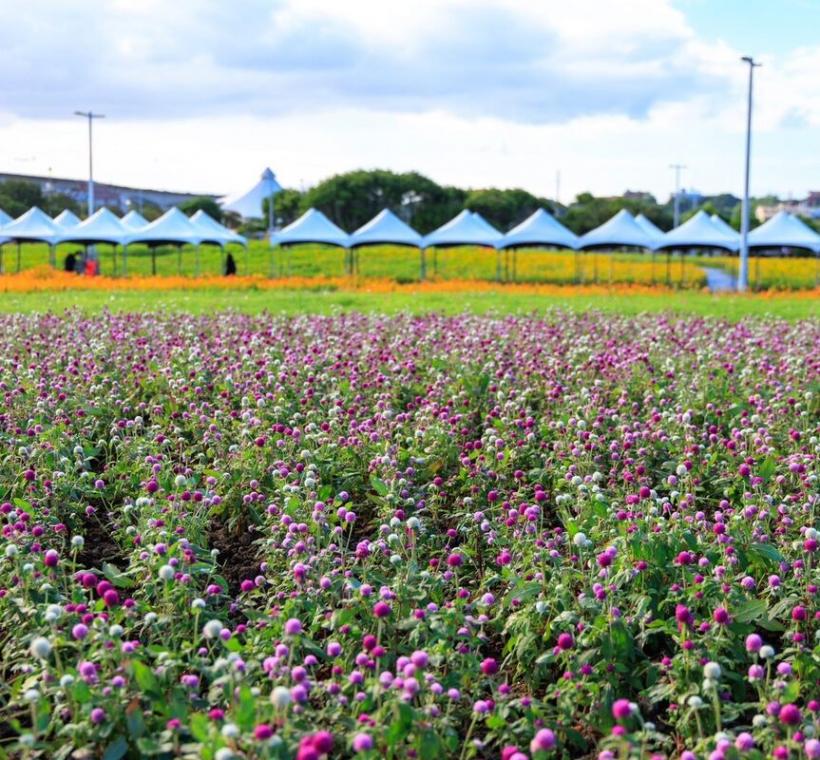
[381,609]
[621,709]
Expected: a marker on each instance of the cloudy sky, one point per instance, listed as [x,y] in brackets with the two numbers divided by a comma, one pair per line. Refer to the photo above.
[203,94]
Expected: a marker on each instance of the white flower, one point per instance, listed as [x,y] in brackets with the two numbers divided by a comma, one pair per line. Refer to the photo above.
[27,740]
[580,540]
[280,697]
[766,652]
[41,647]
[11,551]
[67,681]
[695,702]
[180,481]
[230,730]
[395,559]
[31,695]
[224,753]
[212,629]
[198,604]
[413,523]
[77,542]
[115,631]
[150,618]
[166,573]
[712,671]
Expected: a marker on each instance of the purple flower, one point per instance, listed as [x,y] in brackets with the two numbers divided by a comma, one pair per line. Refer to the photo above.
[293,627]
[362,742]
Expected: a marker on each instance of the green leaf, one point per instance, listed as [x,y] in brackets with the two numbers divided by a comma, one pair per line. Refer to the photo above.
[145,677]
[750,611]
[199,727]
[24,505]
[120,580]
[116,749]
[81,692]
[496,722]
[430,746]
[767,553]
[379,486]
[401,726]
[246,710]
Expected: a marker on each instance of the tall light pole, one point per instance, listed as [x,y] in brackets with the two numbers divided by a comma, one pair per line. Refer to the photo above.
[678,169]
[743,270]
[90,116]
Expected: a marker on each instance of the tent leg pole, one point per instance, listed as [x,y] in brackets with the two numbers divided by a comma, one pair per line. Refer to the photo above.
[197,261]
[247,261]
[18,257]
[668,269]
[515,264]
[125,261]
[154,262]
[421,264]
[498,266]
[653,267]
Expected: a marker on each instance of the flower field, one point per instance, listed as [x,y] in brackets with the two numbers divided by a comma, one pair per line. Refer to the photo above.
[402,265]
[409,536]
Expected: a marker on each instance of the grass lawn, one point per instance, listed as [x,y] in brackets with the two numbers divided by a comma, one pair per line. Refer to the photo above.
[324,302]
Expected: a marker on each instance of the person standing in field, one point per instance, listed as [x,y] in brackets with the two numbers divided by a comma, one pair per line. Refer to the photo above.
[230,265]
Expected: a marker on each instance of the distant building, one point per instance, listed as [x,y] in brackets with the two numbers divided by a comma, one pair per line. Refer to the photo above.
[117,196]
[808,207]
[639,195]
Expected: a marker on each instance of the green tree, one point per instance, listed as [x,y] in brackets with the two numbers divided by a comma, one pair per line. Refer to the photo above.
[56,203]
[18,196]
[208,205]
[505,208]
[287,205]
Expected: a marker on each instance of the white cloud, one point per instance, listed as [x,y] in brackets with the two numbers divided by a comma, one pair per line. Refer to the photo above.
[202,93]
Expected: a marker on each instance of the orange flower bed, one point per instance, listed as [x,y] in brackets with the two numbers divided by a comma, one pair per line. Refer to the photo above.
[45,279]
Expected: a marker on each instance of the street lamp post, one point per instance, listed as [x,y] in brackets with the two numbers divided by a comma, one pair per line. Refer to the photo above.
[678,168]
[743,269]
[90,116]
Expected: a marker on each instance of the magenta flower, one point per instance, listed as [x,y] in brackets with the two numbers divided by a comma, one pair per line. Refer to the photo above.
[381,609]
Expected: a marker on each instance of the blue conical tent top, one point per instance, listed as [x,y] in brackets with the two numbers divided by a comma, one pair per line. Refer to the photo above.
[134,221]
[540,228]
[468,228]
[172,228]
[248,204]
[650,228]
[4,218]
[620,230]
[67,219]
[699,232]
[721,225]
[784,230]
[34,225]
[213,231]
[101,227]
[312,227]
[385,227]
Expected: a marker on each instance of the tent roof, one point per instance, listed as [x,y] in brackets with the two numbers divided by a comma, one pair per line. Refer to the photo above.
[101,227]
[312,227]
[385,227]
[784,230]
[540,228]
[134,221]
[172,228]
[33,225]
[248,203]
[4,218]
[699,232]
[721,225]
[67,219]
[213,231]
[468,228]
[649,227]
[621,229]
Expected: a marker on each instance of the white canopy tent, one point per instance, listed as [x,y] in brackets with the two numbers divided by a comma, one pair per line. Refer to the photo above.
[134,221]
[172,228]
[784,230]
[4,219]
[249,203]
[67,219]
[35,226]
[101,227]
[312,227]
[540,229]
[721,225]
[622,230]
[466,228]
[384,228]
[219,234]
[699,232]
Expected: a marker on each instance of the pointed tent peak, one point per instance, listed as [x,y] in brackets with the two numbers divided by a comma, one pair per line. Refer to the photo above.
[173,228]
[249,203]
[385,227]
[620,230]
[102,226]
[784,230]
[540,228]
[4,218]
[466,228]
[213,231]
[649,226]
[722,225]
[67,219]
[312,227]
[35,224]
[699,231]
[134,220]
